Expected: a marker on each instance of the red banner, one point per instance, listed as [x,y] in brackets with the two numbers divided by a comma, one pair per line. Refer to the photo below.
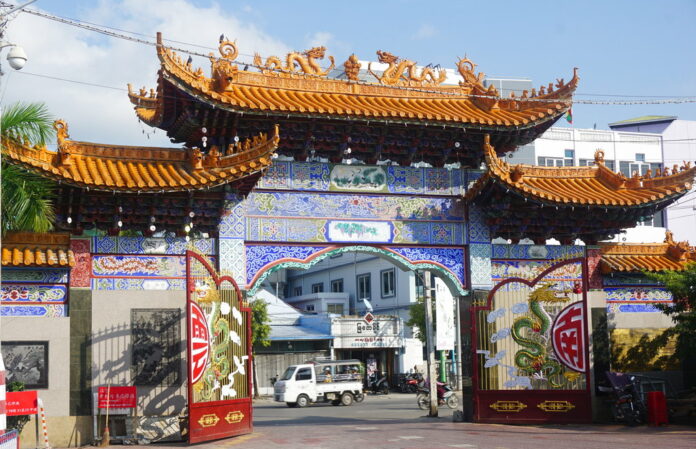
[21,403]
[119,397]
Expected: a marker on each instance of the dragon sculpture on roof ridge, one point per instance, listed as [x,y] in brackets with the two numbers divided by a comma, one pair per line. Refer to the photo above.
[295,62]
[403,72]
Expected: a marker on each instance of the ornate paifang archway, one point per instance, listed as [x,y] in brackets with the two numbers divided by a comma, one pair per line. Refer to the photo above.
[447,262]
[530,345]
[219,354]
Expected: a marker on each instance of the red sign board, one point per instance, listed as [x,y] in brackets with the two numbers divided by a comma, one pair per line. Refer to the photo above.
[119,397]
[21,403]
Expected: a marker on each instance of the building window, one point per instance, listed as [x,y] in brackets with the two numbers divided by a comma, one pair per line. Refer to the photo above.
[335,308]
[388,283]
[318,288]
[309,308]
[627,168]
[297,291]
[569,158]
[640,157]
[419,283]
[550,161]
[586,162]
[363,281]
[335,255]
[337,286]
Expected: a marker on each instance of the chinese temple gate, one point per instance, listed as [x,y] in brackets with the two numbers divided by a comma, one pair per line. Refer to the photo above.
[282,166]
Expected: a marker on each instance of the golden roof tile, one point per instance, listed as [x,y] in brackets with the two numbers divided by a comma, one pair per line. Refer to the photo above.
[588,186]
[669,255]
[28,249]
[298,85]
[143,169]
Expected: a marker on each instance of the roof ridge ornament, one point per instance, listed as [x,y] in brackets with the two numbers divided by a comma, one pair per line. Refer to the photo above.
[403,72]
[295,63]
[352,67]
[224,71]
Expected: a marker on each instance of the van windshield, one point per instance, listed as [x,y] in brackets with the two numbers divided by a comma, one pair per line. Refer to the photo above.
[288,373]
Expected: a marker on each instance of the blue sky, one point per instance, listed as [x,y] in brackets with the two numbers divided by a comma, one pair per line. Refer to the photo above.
[632,48]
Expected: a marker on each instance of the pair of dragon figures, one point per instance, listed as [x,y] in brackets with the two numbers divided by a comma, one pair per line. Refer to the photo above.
[399,72]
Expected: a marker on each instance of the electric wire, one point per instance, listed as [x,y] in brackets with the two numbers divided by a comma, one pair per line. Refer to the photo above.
[108,32]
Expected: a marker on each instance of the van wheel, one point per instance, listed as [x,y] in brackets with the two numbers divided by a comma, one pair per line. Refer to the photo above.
[359,397]
[292,404]
[347,398]
[302,401]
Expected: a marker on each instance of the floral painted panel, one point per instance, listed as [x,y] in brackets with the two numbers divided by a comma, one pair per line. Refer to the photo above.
[138,266]
[283,175]
[38,276]
[528,270]
[32,293]
[42,310]
[355,206]
[636,299]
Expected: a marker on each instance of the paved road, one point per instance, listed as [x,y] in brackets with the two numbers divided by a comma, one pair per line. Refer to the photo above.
[394,421]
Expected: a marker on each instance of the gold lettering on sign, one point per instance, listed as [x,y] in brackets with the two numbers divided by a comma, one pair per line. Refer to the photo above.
[209,420]
[234,417]
[508,406]
[556,406]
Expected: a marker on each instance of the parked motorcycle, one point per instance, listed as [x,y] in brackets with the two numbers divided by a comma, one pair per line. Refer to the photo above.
[627,405]
[445,396]
[410,383]
[377,383]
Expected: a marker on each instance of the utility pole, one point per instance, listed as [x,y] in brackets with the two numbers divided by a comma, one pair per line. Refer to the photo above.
[432,376]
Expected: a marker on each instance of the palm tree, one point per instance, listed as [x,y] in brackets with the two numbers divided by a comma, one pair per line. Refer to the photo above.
[26,197]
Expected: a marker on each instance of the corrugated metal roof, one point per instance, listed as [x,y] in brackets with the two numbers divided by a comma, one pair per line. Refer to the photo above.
[297,333]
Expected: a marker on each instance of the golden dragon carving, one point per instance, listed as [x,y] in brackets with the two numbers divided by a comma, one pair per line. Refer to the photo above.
[466,68]
[295,62]
[223,69]
[404,72]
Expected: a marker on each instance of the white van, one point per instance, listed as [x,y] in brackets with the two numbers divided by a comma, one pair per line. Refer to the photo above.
[337,381]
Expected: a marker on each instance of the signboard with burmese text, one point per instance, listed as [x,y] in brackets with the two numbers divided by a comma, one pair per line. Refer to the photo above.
[352,333]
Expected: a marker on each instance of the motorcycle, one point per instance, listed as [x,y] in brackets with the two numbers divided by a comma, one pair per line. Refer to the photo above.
[377,383]
[627,405]
[445,396]
[410,383]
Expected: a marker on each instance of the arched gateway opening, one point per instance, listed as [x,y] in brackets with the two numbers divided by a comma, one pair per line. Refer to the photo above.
[353,302]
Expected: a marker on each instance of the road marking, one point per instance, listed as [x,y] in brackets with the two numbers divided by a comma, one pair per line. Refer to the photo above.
[365,428]
[462,445]
[411,437]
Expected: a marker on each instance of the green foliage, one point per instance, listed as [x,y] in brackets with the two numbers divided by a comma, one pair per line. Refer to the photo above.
[26,197]
[682,285]
[260,329]
[648,354]
[17,422]
[416,314]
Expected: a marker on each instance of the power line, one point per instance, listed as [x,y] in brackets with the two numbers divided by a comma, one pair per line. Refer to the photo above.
[108,31]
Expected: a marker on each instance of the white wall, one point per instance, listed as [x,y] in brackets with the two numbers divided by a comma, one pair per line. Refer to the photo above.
[679,140]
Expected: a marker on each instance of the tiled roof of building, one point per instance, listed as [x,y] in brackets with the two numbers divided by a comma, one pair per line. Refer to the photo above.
[669,255]
[143,169]
[645,119]
[27,249]
[297,86]
[583,186]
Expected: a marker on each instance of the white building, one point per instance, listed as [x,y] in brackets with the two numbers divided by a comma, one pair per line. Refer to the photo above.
[678,139]
[624,152]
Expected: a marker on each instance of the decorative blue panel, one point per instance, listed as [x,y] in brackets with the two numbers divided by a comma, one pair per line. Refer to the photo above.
[525,252]
[258,256]
[35,275]
[32,293]
[632,308]
[478,229]
[138,284]
[450,258]
[232,221]
[233,260]
[43,310]
[480,263]
[145,245]
[353,206]
[321,177]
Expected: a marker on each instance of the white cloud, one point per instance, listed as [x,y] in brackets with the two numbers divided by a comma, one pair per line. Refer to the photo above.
[425,31]
[320,38]
[106,115]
